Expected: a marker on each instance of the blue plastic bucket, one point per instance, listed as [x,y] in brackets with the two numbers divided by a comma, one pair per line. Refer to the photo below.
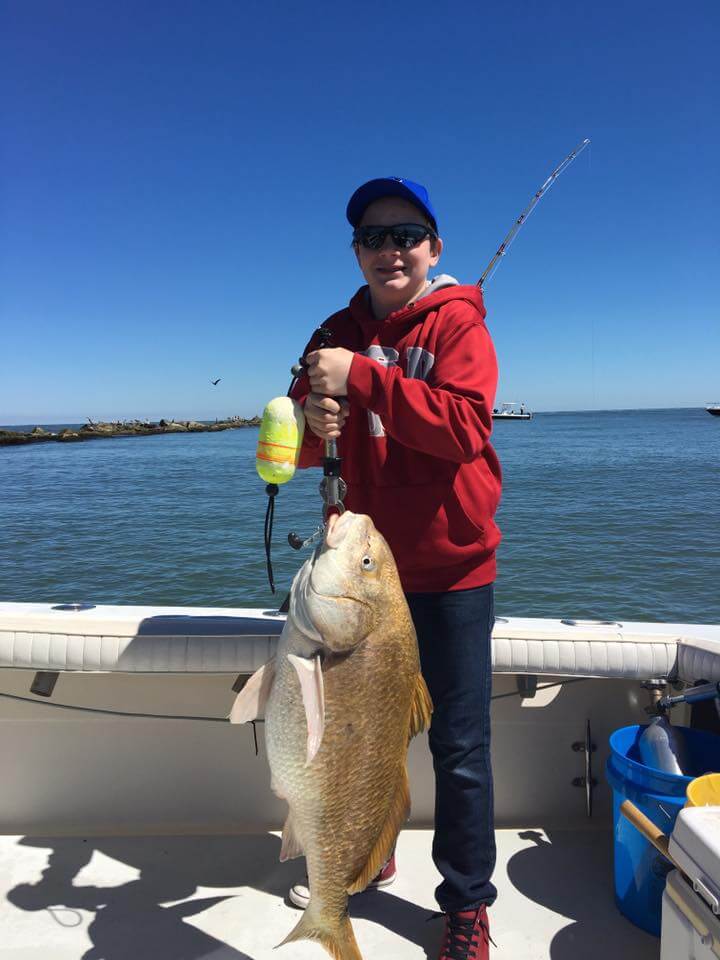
[639,869]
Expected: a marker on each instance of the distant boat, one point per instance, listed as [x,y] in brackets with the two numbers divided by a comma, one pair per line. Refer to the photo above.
[512,411]
[713,409]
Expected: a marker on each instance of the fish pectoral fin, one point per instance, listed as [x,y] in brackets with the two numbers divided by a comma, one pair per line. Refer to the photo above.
[291,846]
[421,709]
[385,843]
[309,671]
[253,697]
[336,935]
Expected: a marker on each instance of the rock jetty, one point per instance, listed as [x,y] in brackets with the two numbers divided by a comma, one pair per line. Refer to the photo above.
[93,430]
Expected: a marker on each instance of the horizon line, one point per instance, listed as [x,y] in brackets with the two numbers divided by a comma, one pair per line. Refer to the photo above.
[15,422]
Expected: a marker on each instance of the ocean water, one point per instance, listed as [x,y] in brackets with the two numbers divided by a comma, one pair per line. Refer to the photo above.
[612,515]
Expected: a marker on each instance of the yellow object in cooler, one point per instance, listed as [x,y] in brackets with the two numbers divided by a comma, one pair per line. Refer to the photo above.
[704,791]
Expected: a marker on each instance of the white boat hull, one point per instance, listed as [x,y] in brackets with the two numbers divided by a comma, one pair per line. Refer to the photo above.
[100,773]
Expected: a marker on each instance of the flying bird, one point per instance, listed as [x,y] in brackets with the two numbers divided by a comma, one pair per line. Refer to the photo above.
[216,382]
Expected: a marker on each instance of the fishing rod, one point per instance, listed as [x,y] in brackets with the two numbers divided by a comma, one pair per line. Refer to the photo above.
[503,248]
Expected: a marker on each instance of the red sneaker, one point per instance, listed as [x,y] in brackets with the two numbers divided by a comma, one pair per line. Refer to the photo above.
[467,935]
[386,875]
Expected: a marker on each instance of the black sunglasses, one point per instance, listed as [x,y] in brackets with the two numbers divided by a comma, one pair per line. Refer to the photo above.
[404,235]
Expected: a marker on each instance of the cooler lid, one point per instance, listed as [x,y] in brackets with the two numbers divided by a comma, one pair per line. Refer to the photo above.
[695,845]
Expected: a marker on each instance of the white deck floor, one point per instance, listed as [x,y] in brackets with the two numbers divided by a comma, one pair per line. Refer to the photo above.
[222,898]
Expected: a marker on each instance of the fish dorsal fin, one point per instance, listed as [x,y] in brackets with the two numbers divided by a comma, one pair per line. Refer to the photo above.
[421,709]
[397,815]
[291,846]
[253,697]
[309,671]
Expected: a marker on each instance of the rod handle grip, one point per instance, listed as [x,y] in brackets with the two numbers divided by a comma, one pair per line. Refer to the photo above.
[648,829]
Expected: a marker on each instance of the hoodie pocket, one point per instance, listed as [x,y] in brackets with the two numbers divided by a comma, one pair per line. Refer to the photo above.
[462,526]
[478,496]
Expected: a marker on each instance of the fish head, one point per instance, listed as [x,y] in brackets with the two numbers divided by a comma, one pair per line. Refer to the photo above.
[341,594]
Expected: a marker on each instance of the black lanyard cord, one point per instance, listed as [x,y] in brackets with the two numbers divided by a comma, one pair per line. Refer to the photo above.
[271,490]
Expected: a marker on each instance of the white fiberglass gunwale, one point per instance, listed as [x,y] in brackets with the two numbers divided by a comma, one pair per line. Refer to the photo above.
[149,639]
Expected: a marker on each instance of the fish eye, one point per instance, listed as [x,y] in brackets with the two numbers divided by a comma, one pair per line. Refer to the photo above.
[368,563]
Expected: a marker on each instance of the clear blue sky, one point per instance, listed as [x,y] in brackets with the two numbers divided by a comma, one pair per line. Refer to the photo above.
[174,178]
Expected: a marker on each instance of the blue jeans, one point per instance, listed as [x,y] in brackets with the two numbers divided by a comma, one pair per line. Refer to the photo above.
[453,631]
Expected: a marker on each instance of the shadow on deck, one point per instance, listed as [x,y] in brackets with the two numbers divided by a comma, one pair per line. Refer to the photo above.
[202,897]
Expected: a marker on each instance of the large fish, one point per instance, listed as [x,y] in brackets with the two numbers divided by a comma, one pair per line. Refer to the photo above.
[342,699]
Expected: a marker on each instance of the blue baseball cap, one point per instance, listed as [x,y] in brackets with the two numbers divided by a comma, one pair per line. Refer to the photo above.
[373,190]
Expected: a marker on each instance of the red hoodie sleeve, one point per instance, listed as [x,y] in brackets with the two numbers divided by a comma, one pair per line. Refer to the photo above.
[452,418]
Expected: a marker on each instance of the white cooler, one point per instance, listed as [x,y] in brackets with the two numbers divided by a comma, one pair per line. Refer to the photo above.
[690,910]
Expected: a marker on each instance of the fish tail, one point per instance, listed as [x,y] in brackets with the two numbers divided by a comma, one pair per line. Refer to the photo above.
[335,935]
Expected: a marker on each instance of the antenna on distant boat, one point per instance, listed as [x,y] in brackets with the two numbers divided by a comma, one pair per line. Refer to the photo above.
[502,249]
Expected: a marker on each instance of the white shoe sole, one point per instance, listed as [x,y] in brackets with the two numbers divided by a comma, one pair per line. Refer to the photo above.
[299,895]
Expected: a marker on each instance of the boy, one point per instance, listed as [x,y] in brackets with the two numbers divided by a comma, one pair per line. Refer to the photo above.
[408,388]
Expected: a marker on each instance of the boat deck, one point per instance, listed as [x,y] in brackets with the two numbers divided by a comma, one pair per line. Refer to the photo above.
[223,898]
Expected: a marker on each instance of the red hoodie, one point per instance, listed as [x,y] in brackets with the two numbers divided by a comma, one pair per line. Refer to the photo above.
[415,449]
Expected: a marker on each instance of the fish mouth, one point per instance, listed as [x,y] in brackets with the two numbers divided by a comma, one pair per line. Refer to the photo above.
[334,622]
[341,597]
[311,603]
[337,527]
